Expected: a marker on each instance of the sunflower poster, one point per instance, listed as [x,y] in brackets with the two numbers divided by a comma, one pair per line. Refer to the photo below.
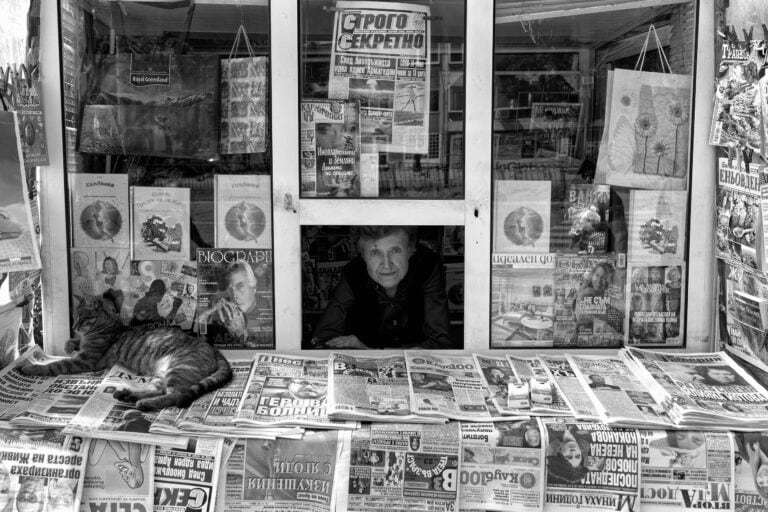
[647,128]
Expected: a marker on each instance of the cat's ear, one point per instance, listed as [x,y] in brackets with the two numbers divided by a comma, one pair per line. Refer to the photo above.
[79,300]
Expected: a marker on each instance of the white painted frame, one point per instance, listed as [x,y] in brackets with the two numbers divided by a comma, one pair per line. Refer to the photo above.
[474,212]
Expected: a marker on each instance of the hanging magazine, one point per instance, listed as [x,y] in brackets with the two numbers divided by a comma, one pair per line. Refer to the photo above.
[380,57]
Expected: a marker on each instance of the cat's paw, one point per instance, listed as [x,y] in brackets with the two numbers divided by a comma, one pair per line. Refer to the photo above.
[145,405]
[72,345]
[29,368]
[124,395]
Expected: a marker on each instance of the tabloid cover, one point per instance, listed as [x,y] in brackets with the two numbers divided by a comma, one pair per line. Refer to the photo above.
[160,223]
[657,225]
[654,304]
[243,211]
[234,297]
[100,210]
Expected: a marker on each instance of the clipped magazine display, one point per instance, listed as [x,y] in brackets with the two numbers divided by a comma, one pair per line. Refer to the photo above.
[119,472]
[100,210]
[243,212]
[654,304]
[160,223]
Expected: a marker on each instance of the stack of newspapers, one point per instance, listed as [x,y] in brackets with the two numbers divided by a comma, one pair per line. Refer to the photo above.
[701,390]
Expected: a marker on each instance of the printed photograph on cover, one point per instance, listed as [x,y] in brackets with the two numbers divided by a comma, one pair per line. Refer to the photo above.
[656,225]
[589,301]
[18,244]
[99,210]
[118,471]
[678,449]
[159,104]
[102,272]
[737,226]
[654,304]
[736,117]
[382,287]
[522,303]
[243,216]
[521,216]
[29,108]
[751,471]
[586,219]
[235,297]
[162,293]
[161,223]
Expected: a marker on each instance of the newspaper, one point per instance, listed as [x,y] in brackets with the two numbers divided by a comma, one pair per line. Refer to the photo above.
[187,478]
[562,374]
[370,389]
[619,396]
[289,391]
[286,474]
[59,402]
[532,370]
[502,466]
[119,476]
[686,469]
[702,390]
[401,467]
[446,386]
[591,466]
[751,493]
[104,417]
[10,321]
[380,57]
[41,469]
[497,376]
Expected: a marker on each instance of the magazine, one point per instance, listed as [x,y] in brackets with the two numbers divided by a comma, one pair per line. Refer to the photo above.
[546,396]
[523,300]
[304,475]
[736,114]
[10,321]
[401,467]
[100,210]
[29,109]
[619,396]
[370,389]
[686,469]
[497,375]
[591,465]
[656,226]
[105,417]
[585,220]
[161,293]
[589,301]
[117,474]
[234,297]
[654,304]
[160,223]
[18,246]
[285,391]
[380,57]
[330,149]
[521,216]
[701,390]
[750,491]
[42,468]
[502,466]
[243,215]
[738,227]
[187,478]
[446,386]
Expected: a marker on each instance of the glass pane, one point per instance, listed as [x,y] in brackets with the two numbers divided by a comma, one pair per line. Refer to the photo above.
[169,162]
[382,110]
[382,286]
[591,139]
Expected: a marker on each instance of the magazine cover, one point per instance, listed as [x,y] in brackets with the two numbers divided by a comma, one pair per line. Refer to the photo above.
[99,210]
[160,223]
[187,478]
[161,293]
[330,149]
[738,229]
[102,272]
[522,300]
[18,245]
[234,297]
[384,66]
[158,104]
[243,211]
[751,493]
[589,301]
[584,226]
[736,114]
[10,321]
[657,225]
[29,109]
[654,304]
[521,216]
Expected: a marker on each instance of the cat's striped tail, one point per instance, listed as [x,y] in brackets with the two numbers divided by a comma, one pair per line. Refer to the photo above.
[217,379]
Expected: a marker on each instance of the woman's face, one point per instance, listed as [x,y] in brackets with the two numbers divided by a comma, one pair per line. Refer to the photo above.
[689,440]
[761,477]
[721,375]
[572,453]
[532,437]
[599,278]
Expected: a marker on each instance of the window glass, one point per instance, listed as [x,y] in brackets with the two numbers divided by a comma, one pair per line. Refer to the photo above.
[169,163]
[382,286]
[591,142]
[382,109]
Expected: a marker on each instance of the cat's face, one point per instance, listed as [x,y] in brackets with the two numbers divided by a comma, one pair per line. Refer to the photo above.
[90,314]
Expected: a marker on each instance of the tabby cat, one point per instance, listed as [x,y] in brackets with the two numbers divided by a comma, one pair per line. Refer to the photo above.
[184,367]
